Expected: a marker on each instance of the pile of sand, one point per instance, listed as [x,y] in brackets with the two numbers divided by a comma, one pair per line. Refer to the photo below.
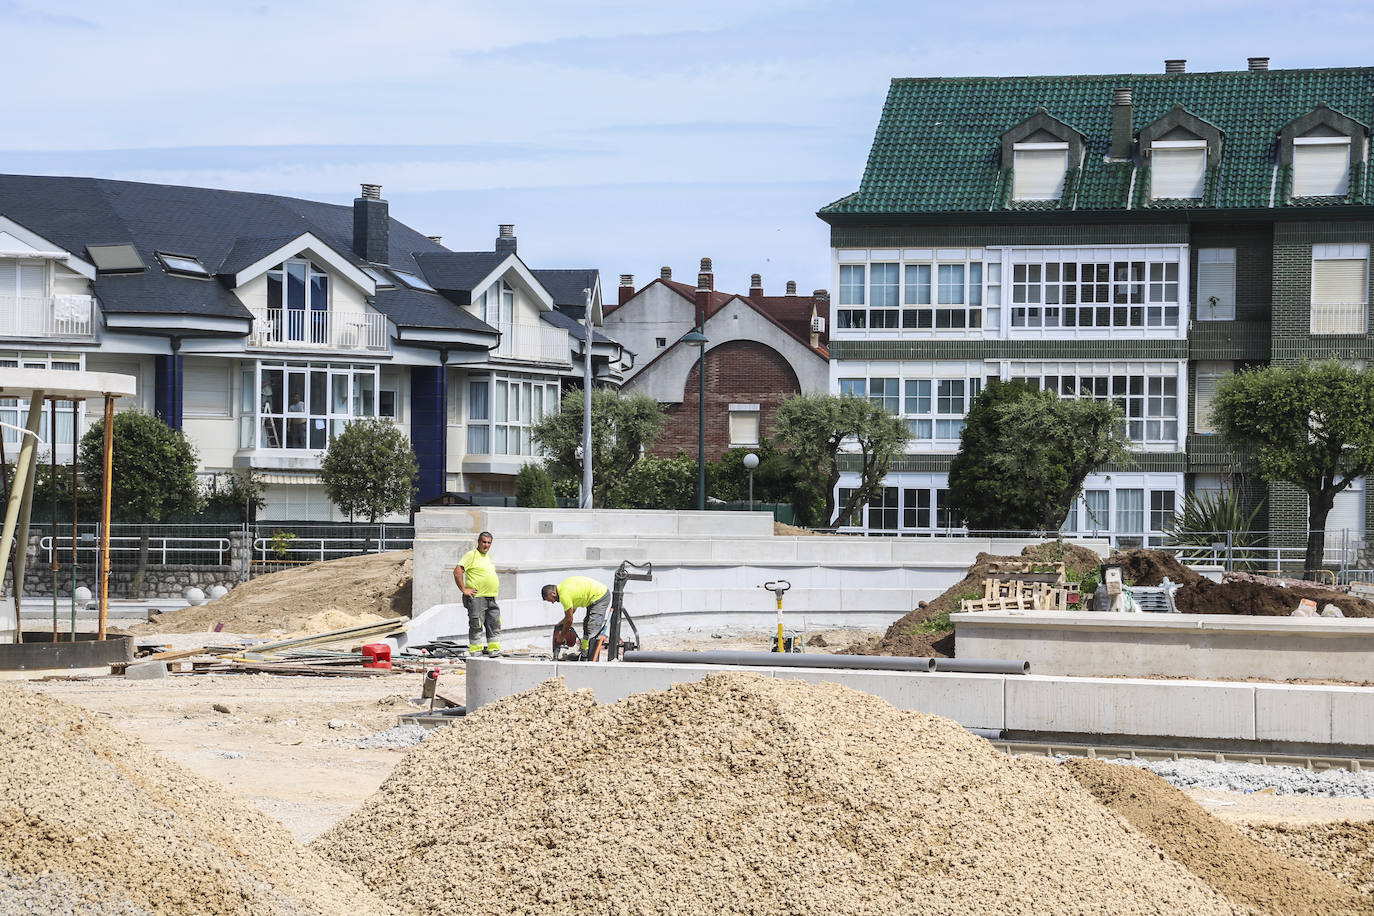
[743,794]
[1343,849]
[1242,869]
[302,600]
[93,823]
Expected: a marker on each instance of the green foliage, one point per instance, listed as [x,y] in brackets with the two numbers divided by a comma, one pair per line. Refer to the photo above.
[774,479]
[369,470]
[656,483]
[281,543]
[1207,515]
[812,429]
[153,468]
[235,496]
[940,623]
[534,488]
[1311,425]
[1025,454]
[623,428]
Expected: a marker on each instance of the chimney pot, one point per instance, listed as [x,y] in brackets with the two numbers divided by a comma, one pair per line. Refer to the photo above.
[627,288]
[627,279]
[791,287]
[506,231]
[505,238]
[665,273]
[372,192]
[1258,63]
[436,239]
[1121,96]
[820,295]
[706,265]
[703,282]
[1176,65]
[372,226]
[755,279]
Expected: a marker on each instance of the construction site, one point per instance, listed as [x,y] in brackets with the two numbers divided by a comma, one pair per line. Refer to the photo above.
[318,740]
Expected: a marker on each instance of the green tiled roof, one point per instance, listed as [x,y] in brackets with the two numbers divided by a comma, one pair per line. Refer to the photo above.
[938,144]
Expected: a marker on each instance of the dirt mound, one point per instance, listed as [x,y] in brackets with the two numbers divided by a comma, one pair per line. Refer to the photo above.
[303,600]
[1151,567]
[742,794]
[783,530]
[93,819]
[919,634]
[1345,850]
[1259,600]
[1220,855]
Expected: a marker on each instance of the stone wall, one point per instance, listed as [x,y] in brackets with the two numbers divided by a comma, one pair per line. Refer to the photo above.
[159,580]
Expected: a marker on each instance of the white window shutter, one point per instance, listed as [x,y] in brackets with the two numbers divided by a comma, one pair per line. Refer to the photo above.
[33,280]
[1321,170]
[1216,280]
[1177,173]
[9,278]
[1339,281]
[1038,174]
[1209,376]
[744,427]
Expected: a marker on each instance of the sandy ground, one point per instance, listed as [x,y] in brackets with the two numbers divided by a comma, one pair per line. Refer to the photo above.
[276,749]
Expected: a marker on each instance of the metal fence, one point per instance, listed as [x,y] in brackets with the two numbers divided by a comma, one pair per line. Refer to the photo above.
[294,543]
[168,545]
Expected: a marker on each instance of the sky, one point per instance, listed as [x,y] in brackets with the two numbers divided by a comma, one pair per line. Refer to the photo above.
[620,136]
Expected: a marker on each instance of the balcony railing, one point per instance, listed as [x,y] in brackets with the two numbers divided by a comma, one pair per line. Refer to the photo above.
[540,343]
[47,316]
[298,329]
[1340,317]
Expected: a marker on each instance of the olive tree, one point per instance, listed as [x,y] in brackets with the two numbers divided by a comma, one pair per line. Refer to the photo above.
[369,470]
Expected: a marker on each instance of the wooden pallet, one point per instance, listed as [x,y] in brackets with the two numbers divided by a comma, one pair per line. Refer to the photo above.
[1019,595]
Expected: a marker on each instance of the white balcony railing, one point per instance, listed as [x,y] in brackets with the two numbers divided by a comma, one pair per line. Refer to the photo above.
[534,342]
[1340,317]
[298,329]
[47,316]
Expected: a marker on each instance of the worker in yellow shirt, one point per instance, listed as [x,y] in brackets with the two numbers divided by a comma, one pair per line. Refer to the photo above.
[575,592]
[475,576]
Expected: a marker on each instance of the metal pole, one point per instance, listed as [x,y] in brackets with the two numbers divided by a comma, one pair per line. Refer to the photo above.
[785,660]
[52,505]
[75,427]
[587,401]
[15,517]
[701,426]
[751,489]
[105,486]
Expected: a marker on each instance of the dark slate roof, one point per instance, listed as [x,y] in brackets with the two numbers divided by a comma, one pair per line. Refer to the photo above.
[573,326]
[249,251]
[458,271]
[566,286]
[937,147]
[217,227]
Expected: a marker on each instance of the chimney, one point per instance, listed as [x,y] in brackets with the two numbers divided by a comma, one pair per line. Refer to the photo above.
[665,273]
[436,239]
[371,221]
[703,301]
[791,287]
[1177,65]
[820,308]
[1258,63]
[505,238]
[755,286]
[1123,125]
[627,287]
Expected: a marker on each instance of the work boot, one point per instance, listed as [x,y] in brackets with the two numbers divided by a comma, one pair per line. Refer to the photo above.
[477,650]
[492,651]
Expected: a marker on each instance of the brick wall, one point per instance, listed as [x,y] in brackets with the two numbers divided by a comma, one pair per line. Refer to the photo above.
[739,372]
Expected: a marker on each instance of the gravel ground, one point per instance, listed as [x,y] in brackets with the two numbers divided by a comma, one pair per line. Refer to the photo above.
[1192,773]
[396,736]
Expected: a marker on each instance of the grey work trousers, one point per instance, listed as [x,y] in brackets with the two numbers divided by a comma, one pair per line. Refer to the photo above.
[595,619]
[484,621]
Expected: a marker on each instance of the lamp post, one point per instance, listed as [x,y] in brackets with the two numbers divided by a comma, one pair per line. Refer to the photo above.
[699,340]
[751,461]
[587,400]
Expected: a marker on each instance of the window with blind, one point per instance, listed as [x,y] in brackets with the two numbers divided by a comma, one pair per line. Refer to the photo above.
[1216,284]
[1321,166]
[23,279]
[1177,169]
[1340,289]
[744,424]
[1038,170]
[1209,376]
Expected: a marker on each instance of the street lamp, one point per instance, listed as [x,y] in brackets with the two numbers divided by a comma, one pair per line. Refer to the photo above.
[751,461]
[697,339]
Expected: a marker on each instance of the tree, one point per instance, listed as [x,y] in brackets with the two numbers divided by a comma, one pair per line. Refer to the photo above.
[153,474]
[369,469]
[1025,453]
[623,428]
[1310,425]
[534,488]
[656,483]
[814,428]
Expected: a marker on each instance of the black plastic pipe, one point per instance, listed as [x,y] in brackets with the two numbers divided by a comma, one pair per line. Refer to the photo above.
[787,660]
[982,666]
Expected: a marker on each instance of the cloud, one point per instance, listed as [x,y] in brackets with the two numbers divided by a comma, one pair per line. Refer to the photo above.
[28,16]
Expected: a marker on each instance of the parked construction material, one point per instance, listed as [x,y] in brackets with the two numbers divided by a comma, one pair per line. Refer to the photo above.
[982,666]
[786,660]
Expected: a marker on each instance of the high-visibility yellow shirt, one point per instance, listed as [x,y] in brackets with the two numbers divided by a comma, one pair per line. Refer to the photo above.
[479,573]
[579,591]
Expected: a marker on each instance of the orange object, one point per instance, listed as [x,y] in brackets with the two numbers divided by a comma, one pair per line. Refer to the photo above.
[377,655]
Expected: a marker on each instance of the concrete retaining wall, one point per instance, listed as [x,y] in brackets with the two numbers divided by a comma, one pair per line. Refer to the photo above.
[1339,719]
[1173,645]
[708,567]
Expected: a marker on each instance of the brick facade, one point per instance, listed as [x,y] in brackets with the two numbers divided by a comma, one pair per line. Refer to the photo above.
[738,372]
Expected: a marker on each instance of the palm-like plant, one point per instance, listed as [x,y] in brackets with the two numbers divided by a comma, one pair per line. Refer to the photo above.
[1207,516]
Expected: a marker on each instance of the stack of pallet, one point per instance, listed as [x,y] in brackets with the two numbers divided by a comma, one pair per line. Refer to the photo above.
[1021,587]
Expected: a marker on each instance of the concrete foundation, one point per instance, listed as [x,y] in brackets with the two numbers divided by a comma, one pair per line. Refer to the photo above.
[1224,716]
[1173,645]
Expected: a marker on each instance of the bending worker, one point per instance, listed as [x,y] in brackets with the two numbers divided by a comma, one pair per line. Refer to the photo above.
[476,578]
[575,592]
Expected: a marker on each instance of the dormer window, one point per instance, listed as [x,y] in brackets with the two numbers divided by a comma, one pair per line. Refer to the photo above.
[1178,169]
[298,302]
[1038,170]
[1319,147]
[1321,166]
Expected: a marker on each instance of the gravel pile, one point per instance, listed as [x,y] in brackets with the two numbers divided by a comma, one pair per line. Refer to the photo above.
[91,822]
[1192,773]
[1343,849]
[741,794]
[396,736]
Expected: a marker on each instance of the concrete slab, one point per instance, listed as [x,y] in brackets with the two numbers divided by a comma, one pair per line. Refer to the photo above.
[146,671]
[490,679]
[1107,706]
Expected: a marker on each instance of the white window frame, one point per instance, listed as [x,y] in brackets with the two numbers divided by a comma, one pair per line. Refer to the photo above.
[1340,317]
[1121,288]
[746,414]
[1209,376]
[1309,178]
[1038,170]
[1177,183]
[272,425]
[1216,267]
